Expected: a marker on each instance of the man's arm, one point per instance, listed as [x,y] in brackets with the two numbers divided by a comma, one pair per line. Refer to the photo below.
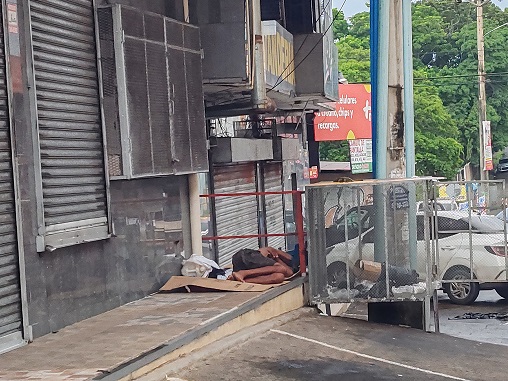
[276,254]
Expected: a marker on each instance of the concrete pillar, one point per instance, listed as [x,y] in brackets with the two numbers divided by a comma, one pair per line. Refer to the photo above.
[195,214]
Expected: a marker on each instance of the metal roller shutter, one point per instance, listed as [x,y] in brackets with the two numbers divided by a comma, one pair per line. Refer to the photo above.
[235,215]
[274,204]
[69,121]
[10,294]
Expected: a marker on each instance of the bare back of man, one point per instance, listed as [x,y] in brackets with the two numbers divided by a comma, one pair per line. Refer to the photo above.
[275,273]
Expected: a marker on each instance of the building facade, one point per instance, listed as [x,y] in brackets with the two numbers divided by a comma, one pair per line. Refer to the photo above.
[103,130]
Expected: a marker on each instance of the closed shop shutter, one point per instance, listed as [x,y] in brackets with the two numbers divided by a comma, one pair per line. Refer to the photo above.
[235,215]
[10,294]
[274,203]
[69,121]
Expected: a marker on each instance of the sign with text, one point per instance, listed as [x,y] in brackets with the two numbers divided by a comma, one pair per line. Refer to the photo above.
[488,164]
[348,119]
[361,155]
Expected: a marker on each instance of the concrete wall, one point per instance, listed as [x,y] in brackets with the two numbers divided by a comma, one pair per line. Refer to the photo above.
[80,281]
[74,283]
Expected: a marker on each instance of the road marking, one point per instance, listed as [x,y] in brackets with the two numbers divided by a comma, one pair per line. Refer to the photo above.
[379,359]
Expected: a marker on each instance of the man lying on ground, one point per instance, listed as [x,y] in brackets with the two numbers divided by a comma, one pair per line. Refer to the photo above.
[264,266]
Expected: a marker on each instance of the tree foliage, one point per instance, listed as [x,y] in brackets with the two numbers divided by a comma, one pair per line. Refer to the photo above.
[446,81]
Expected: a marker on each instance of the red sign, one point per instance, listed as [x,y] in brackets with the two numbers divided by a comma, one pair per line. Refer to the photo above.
[313,172]
[348,119]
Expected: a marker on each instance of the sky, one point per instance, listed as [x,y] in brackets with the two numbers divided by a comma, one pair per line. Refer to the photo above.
[354,6]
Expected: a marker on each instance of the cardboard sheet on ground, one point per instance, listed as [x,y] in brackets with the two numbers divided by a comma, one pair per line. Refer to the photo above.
[192,284]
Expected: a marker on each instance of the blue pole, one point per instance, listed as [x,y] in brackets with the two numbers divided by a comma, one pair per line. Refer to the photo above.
[409,113]
[409,125]
[380,30]
[374,21]
[381,142]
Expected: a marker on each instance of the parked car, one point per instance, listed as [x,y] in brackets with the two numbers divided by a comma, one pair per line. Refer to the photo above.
[440,204]
[503,215]
[453,232]
[502,166]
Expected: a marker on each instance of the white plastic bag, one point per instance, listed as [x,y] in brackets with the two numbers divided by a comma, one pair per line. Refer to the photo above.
[198,266]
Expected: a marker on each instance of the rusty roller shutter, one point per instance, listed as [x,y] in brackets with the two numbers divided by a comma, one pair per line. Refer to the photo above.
[274,203]
[235,215]
[10,294]
[69,118]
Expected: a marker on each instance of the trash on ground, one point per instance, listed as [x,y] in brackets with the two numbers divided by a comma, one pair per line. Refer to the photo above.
[480,315]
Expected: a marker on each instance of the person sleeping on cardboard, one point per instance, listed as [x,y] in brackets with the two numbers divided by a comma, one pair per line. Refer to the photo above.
[264,266]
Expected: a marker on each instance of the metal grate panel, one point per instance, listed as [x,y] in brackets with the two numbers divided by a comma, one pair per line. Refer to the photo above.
[159,108]
[110,91]
[180,121]
[196,112]
[163,80]
[137,105]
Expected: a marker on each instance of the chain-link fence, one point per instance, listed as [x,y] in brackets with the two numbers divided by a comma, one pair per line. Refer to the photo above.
[367,241]
[469,220]
[401,239]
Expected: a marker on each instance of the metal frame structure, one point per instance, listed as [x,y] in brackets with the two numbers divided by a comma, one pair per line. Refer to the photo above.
[392,254]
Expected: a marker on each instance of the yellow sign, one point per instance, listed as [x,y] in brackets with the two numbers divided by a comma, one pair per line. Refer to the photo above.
[279,56]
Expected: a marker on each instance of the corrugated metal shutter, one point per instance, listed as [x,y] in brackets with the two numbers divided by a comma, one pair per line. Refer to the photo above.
[69,117]
[10,294]
[235,215]
[274,203]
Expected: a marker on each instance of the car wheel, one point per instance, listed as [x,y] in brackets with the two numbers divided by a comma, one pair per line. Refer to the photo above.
[337,275]
[460,292]
[502,291]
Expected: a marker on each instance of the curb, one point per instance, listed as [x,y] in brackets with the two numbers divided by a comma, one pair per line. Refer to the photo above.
[270,304]
[169,371]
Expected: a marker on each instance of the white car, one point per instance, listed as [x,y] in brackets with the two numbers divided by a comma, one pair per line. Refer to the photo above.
[441,205]
[453,256]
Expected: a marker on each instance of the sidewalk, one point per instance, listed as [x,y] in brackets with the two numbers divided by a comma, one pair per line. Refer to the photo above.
[116,344]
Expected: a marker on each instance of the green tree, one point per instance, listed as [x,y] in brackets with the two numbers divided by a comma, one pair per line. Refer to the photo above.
[334,151]
[340,25]
[454,67]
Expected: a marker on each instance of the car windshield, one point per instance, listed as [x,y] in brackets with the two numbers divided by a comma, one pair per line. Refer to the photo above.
[503,161]
[353,219]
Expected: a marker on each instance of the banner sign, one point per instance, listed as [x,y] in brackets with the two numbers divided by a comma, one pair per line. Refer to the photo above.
[348,119]
[488,164]
[361,155]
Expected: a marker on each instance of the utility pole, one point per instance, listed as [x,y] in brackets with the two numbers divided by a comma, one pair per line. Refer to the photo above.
[482,99]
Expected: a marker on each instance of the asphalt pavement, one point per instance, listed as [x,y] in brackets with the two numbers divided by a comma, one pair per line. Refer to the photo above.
[314,347]
[492,331]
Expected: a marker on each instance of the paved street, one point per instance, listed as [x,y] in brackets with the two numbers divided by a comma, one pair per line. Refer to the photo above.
[484,330]
[323,348]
